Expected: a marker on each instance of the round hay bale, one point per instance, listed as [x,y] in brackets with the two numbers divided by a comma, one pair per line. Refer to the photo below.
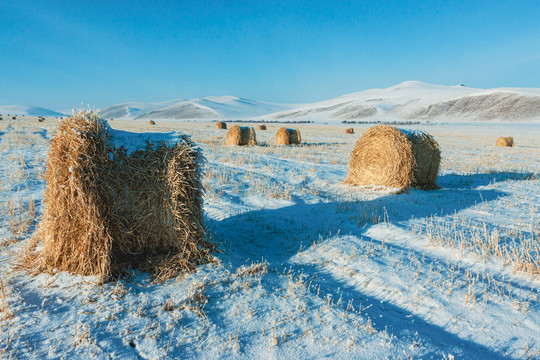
[107,210]
[261,127]
[240,135]
[151,122]
[388,156]
[286,136]
[349,131]
[505,141]
[221,125]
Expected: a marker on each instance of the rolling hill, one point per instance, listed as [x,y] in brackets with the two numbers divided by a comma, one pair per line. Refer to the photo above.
[212,107]
[27,111]
[407,101]
[413,100]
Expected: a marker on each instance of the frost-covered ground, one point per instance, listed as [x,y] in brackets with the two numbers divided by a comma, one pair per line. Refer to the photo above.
[307,268]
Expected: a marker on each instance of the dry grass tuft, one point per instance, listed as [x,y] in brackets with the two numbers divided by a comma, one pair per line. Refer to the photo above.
[505,141]
[261,127]
[286,136]
[240,135]
[387,156]
[221,125]
[107,210]
[349,131]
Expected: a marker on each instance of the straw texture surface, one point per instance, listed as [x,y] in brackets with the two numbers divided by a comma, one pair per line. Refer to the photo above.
[388,156]
[107,210]
[240,135]
[505,141]
[286,136]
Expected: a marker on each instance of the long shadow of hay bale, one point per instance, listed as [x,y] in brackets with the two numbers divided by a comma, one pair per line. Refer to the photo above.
[276,236]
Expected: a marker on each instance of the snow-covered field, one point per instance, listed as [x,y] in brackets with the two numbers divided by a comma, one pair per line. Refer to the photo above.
[307,267]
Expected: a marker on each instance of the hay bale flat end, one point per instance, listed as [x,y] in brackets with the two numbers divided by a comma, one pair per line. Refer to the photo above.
[240,136]
[507,141]
[388,156]
[286,136]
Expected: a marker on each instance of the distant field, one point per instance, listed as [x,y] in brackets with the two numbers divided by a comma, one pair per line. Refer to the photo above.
[307,267]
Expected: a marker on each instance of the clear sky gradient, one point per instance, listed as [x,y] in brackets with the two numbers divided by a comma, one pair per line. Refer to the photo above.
[59,54]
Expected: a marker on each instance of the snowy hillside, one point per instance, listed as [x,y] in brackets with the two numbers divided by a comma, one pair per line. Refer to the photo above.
[414,100]
[27,111]
[407,101]
[212,107]
[133,109]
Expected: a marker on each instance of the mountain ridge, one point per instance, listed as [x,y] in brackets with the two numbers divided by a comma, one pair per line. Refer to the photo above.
[409,100]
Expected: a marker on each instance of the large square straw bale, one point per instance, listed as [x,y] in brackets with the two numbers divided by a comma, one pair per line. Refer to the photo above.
[110,208]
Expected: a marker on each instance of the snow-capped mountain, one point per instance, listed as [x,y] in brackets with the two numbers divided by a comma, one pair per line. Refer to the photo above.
[414,100]
[410,100]
[27,110]
[212,107]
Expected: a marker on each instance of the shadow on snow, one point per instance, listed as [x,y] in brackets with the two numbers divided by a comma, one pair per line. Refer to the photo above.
[276,235]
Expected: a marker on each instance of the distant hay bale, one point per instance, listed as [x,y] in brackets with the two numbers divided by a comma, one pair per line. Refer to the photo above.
[261,127]
[505,141]
[349,131]
[388,156]
[286,136]
[240,135]
[151,122]
[107,210]
[221,125]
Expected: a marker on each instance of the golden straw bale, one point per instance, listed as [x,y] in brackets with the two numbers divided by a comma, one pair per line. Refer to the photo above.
[349,131]
[388,156]
[151,122]
[240,135]
[261,127]
[107,210]
[221,125]
[286,136]
[505,141]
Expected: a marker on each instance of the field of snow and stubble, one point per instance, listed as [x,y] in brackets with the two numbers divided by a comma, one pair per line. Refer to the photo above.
[306,267]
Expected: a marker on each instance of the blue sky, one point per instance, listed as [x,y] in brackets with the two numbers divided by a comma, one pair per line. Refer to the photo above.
[59,54]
